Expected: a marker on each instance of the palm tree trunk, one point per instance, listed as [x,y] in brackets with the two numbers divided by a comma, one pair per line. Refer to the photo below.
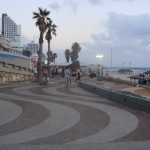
[48,58]
[39,64]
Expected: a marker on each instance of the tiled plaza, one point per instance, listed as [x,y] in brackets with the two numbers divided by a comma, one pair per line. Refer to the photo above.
[52,117]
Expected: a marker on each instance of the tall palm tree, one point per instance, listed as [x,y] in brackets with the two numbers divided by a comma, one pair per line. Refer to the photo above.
[67,55]
[54,57]
[40,17]
[50,55]
[51,30]
[76,48]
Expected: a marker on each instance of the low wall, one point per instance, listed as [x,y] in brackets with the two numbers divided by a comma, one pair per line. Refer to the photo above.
[119,80]
[14,67]
[131,101]
[14,59]
[9,73]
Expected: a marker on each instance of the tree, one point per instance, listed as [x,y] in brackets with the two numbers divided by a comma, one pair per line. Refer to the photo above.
[40,17]
[75,50]
[54,57]
[51,30]
[50,55]
[67,55]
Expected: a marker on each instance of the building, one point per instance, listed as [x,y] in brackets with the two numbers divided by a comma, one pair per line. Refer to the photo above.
[0,25]
[4,44]
[14,66]
[12,31]
[33,47]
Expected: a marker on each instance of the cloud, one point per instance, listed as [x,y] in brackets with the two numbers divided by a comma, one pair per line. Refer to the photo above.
[127,35]
[72,5]
[128,25]
[95,2]
[55,6]
[124,28]
[121,0]
[131,32]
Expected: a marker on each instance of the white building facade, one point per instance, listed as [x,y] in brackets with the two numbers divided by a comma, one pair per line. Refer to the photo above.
[11,30]
[32,47]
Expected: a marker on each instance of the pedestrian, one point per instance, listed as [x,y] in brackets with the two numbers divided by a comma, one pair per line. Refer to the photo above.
[67,76]
[53,72]
[70,75]
[62,73]
[78,74]
[45,76]
[35,72]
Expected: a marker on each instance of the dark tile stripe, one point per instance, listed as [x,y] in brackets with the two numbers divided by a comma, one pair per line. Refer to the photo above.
[92,121]
[31,115]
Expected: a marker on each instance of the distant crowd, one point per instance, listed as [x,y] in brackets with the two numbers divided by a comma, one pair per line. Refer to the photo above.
[59,71]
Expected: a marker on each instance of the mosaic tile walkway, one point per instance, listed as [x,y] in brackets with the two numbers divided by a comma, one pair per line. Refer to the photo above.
[35,117]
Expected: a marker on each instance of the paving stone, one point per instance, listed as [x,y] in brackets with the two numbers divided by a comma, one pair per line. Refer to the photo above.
[59,118]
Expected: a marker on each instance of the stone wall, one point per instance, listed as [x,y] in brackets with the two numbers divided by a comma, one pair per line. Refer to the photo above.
[14,67]
[10,73]
[141,104]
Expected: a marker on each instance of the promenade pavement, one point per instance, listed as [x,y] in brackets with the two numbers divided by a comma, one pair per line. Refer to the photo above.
[143,91]
[52,117]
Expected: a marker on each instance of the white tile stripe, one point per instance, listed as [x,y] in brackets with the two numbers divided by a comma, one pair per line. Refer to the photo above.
[121,123]
[7,108]
[58,121]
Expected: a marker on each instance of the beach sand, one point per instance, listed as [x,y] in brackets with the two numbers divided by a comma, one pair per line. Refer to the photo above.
[118,86]
[116,75]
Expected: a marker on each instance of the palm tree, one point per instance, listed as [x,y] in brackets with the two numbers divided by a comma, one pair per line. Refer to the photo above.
[51,30]
[40,17]
[54,57]
[67,55]
[50,55]
[76,48]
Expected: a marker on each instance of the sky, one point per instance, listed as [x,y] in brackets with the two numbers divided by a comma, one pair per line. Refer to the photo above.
[118,29]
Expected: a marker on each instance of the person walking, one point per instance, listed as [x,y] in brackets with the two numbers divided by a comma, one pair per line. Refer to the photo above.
[78,74]
[70,75]
[35,72]
[45,76]
[67,76]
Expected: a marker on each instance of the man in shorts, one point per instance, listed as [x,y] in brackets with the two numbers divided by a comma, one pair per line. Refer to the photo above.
[67,76]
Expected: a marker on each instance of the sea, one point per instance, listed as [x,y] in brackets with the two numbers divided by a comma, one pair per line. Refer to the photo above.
[135,70]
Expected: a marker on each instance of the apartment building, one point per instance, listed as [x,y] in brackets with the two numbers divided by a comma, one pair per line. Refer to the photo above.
[32,47]
[11,30]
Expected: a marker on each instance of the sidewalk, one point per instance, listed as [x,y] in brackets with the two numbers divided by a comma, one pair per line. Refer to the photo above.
[143,91]
[42,117]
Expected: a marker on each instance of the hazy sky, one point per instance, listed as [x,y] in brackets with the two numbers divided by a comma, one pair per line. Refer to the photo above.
[99,26]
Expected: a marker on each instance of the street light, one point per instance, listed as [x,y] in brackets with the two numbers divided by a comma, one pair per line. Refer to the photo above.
[122,64]
[100,56]
[129,67]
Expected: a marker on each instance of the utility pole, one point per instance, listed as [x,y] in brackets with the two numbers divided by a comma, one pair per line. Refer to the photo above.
[111,59]
[111,65]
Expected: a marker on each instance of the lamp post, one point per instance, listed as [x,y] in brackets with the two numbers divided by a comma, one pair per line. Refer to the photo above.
[129,67]
[122,65]
[100,56]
